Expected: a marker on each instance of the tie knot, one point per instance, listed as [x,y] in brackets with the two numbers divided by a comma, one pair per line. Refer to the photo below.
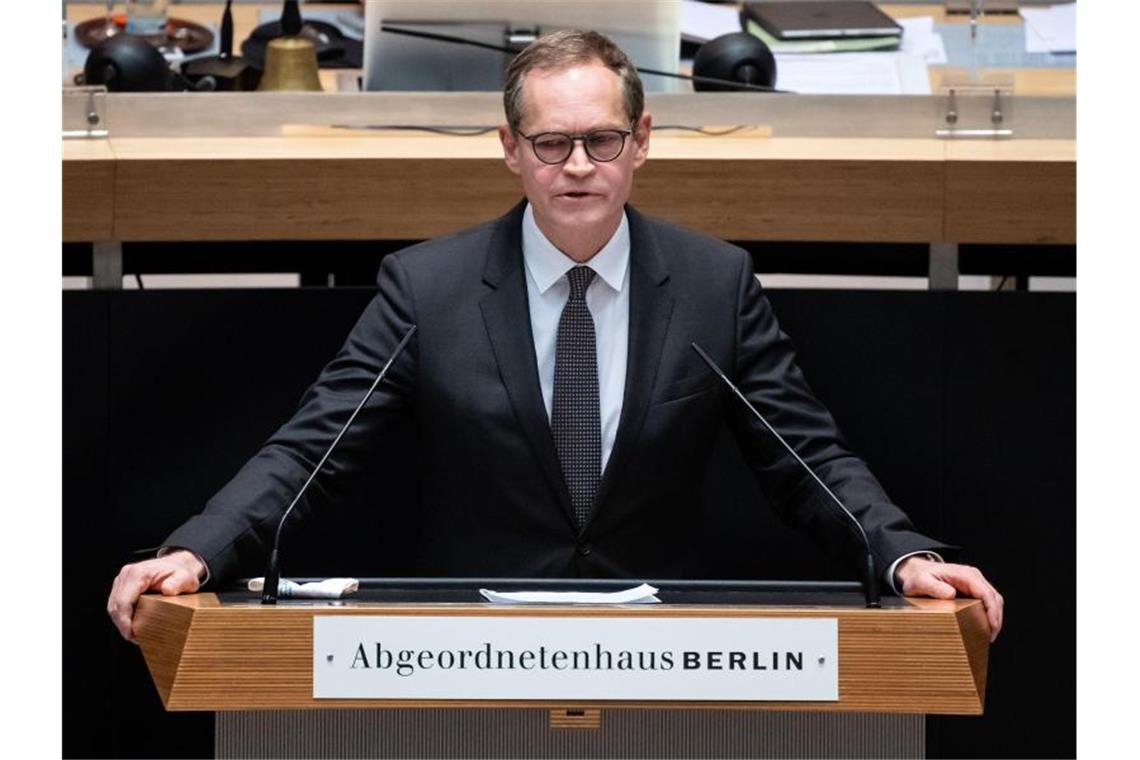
[580,279]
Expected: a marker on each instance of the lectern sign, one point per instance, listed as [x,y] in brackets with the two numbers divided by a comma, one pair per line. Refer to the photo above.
[532,657]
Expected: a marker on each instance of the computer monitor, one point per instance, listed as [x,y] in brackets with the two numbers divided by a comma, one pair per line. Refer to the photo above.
[647,30]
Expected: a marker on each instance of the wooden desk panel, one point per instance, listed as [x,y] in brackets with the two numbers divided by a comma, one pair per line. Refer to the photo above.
[88,180]
[328,199]
[411,188]
[828,200]
[930,657]
[1011,192]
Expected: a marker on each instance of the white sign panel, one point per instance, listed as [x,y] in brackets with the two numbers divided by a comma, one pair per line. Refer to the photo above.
[452,657]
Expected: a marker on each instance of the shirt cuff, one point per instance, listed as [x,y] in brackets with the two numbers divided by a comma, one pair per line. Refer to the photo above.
[894,565]
[204,576]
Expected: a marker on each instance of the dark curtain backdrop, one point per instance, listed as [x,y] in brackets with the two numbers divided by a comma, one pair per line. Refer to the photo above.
[963,404]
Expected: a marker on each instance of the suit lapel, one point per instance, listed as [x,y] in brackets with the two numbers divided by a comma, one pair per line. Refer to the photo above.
[650,308]
[506,317]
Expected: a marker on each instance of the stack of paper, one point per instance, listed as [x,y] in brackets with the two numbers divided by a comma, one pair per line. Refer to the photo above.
[643,594]
[901,72]
[818,67]
[821,45]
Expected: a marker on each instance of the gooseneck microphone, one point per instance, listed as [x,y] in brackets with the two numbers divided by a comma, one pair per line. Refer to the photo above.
[273,569]
[870,580]
[727,84]
[291,19]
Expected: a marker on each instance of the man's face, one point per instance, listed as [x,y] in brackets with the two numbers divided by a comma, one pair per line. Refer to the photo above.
[580,196]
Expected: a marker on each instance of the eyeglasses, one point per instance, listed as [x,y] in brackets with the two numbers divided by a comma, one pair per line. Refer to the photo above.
[602,145]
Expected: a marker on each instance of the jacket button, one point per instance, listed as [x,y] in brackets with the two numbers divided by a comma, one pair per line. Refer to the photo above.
[584,549]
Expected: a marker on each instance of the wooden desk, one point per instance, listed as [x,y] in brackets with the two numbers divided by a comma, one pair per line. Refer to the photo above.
[1026,81]
[255,666]
[205,655]
[413,186]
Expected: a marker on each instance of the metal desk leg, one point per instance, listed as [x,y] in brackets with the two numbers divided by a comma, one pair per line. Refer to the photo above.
[107,265]
[943,266]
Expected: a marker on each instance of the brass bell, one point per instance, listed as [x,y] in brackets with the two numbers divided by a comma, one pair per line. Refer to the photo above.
[290,64]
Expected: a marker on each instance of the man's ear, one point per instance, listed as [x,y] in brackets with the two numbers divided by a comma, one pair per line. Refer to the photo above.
[641,132]
[510,147]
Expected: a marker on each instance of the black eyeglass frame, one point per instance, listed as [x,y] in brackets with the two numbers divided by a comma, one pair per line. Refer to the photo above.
[582,137]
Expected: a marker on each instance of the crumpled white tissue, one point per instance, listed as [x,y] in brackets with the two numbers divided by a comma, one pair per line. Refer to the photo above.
[329,588]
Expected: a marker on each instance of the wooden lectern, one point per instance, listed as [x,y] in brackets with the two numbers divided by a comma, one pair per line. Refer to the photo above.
[254,666]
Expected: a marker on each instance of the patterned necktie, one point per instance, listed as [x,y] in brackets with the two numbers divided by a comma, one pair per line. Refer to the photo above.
[575,418]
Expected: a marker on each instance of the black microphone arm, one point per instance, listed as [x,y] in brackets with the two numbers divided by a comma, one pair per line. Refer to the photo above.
[226,46]
[273,569]
[870,579]
[438,37]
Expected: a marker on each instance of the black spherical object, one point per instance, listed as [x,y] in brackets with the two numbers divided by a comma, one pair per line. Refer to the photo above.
[126,63]
[737,57]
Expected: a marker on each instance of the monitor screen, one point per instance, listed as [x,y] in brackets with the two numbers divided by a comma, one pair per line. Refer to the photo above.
[647,30]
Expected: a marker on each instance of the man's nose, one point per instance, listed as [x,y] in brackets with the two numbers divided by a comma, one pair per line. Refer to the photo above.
[579,162]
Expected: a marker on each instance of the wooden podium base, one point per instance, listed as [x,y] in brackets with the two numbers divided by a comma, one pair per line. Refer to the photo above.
[521,733]
[253,665]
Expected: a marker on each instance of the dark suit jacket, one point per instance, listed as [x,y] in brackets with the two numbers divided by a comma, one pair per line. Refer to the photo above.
[493,498]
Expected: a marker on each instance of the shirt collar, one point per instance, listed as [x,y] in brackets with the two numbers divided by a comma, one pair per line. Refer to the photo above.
[547,264]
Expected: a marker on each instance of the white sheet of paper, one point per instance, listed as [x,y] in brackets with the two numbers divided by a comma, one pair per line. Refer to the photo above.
[1051,30]
[643,594]
[853,74]
[920,39]
[701,22]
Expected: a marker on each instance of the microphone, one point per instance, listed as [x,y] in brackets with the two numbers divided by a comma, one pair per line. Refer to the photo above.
[869,580]
[291,19]
[226,46]
[705,80]
[273,569]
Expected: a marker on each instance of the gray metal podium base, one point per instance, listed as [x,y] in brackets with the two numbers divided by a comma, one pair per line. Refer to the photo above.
[620,733]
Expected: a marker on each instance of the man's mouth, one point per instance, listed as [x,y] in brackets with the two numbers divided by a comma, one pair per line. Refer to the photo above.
[577,194]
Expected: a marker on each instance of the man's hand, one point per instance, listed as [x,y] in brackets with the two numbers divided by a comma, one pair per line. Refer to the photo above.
[176,573]
[919,576]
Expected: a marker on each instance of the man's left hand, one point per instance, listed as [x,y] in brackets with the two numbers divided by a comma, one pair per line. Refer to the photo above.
[918,576]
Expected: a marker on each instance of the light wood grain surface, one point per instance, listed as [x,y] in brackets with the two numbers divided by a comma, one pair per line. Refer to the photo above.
[404,187]
[1011,202]
[88,199]
[925,658]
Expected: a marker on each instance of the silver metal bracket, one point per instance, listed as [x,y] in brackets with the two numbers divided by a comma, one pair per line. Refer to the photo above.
[975,109]
[85,113]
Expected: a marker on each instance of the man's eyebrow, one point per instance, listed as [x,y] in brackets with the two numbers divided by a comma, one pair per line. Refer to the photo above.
[602,128]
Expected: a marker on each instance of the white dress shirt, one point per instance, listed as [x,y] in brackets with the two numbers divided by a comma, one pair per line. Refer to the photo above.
[608,301]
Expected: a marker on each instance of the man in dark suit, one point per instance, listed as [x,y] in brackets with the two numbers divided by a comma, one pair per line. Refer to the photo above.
[562,419]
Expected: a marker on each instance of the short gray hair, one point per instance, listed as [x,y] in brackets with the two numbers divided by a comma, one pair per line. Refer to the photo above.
[561,50]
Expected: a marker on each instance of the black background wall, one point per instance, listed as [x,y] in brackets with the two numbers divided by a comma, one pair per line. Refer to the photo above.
[962,403]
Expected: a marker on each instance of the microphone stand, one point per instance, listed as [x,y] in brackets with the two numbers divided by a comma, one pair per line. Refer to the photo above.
[273,568]
[869,579]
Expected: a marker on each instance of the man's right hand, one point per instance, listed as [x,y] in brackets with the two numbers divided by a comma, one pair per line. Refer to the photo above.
[173,574]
